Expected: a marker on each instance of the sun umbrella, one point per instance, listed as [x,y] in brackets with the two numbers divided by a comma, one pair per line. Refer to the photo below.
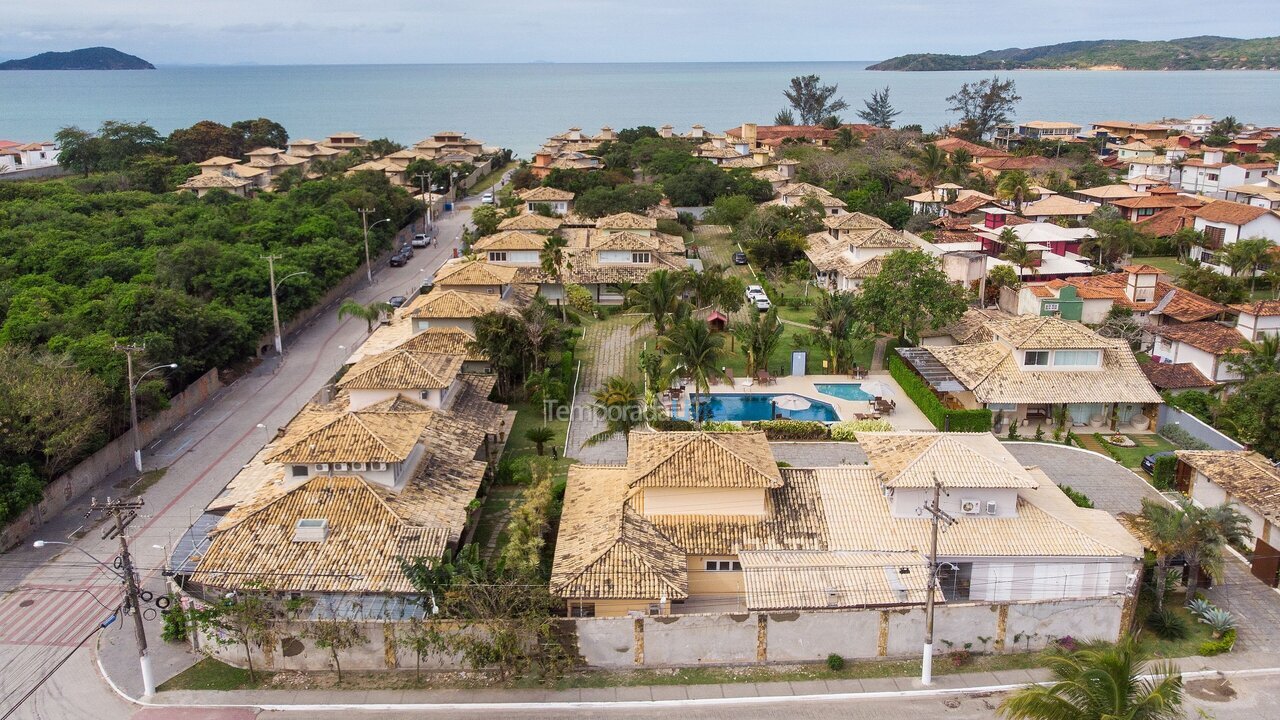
[879,389]
[791,402]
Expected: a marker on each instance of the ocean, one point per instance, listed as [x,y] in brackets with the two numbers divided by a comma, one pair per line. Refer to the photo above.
[519,105]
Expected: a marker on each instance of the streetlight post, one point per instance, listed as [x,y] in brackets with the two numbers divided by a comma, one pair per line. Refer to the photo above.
[275,306]
[422,183]
[128,351]
[364,219]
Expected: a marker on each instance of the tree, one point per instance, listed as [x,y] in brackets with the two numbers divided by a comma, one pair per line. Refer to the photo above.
[337,635]
[1000,276]
[812,100]
[1101,684]
[555,261]
[759,335]
[370,313]
[424,637]
[529,523]
[539,435]
[1252,414]
[837,316]
[784,117]
[261,132]
[1213,528]
[1257,357]
[1250,254]
[1214,285]
[1184,239]
[692,351]
[1228,127]
[79,150]
[910,292]
[617,403]
[729,210]
[1113,240]
[879,111]
[51,412]
[485,219]
[1014,185]
[204,140]
[1166,531]
[656,298]
[245,618]
[983,104]
[1017,252]
[544,387]
[932,163]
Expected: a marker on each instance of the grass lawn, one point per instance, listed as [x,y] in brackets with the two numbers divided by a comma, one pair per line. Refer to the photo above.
[491,179]
[1198,632]
[1165,263]
[210,674]
[1147,444]
[530,416]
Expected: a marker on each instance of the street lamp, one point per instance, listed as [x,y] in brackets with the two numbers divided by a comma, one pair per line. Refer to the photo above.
[128,351]
[364,218]
[275,306]
[41,543]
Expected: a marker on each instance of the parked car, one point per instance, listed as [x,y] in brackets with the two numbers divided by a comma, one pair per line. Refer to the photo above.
[739,258]
[396,301]
[755,292]
[487,198]
[763,304]
[420,240]
[1149,462]
[426,286]
[399,260]
[407,250]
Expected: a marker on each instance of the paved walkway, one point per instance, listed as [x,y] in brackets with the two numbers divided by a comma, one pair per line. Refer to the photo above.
[1110,485]
[608,348]
[877,355]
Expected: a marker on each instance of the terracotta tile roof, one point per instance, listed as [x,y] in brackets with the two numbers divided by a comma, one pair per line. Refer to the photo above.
[697,459]
[953,236]
[1032,332]
[1167,222]
[471,272]
[449,303]
[879,238]
[627,221]
[366,435]
[1058,205]
[793,189]
[957,460]
[972,325]
[965,206]
[444,341]
[530,221]
[785,580]
[1246,475]
[1162,200]
[1175,376]
[1232,213]
[1184,305]
[403,369]
[952,222]
[662,212]
[545,193]
[1028,164]
[854,221]
[1261,308]
[951,144]
[1111,192]
[511,240]
[624,240]
[1211,337]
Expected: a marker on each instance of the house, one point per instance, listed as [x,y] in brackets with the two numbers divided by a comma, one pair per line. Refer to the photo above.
[799,194]
[1195,125]
[707,522]
[1136,150]
[933,200]
[223,173]
[980,154]
[311,150]
[1166,223]
[1031,365]
[1205,344]
[454,307]
[531,222]
[451,145]
[1108,194]
[1212,174]
[274,162]
[1264,194]
[1176,377]
[25,156]
[1223,222]
[1257,319]
[1251,483]
[1009,136]
[1054,250]
[559,202]
[1057,208]
[345,141]
[852,249]
[771,138]
[546,160]
[1032,165]
[430,378]
[1137,209]
[1162,169]
[1123,130]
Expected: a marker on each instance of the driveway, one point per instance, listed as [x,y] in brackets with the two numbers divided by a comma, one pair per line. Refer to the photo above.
[1110,485]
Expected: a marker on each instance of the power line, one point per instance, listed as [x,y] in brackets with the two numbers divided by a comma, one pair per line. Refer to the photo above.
[55,668]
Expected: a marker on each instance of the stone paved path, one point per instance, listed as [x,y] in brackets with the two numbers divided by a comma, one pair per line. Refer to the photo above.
[609,348]
[877,355]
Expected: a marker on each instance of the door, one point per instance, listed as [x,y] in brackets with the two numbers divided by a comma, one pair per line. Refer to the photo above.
[799,362]
[1266,563]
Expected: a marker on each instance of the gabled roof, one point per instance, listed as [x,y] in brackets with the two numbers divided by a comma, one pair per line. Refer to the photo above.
[444,341]
[1111,192]
[1211,337]
[880,238]
[218,161]
[511,240]
[854,221]
[530,221]
[546,193]
[698,459]
[1175,376]
[367,435]
[626,221]
[1249,477]
[1032,332]
[1261,308]
[951,144]
[956,460]
[1058,205]
[448,303]
[626,241]
[466,271]
[964,206]
[1167,222]
[402,369]
[1231,213]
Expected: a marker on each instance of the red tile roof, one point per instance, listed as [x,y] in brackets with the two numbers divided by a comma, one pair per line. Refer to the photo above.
[966,206]
[1167,222]
[951,144]
[1261,308]
[1234,213]
[1033,162]
[1210,337]
[1175,376]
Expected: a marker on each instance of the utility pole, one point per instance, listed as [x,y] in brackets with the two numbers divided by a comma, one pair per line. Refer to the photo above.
[368,263]
[128,351]
[938,517]
[275,306]
[124,512]
[422,183]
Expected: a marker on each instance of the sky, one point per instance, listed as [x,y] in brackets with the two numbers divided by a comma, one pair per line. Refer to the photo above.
[285,32]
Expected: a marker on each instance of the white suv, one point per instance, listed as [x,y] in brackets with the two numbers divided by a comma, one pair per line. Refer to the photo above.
[755,292]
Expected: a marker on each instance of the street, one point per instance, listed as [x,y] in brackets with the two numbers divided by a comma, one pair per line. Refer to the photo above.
[55,596]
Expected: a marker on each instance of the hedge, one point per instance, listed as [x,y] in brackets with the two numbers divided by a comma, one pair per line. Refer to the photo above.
[847,431]
[1077,497]
[670,425]
[1219,646]
[1165,470]
[790,429]
[978,420]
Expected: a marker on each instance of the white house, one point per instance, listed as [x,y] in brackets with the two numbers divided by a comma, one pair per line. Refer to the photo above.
[1212,175]
[1258,319]
[1251,483]
[559,201]
[18,156]
[1223,222]
[852,249]
[1205,344]
[1194,125]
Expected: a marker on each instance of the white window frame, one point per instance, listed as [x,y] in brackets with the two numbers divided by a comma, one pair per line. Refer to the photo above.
[723,566]
[1058,362]
[496,256]
[639,257]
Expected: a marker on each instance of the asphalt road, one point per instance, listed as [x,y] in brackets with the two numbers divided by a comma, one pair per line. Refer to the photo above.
[54,596]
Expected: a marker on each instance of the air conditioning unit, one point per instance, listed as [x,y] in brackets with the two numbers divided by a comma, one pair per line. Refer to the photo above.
[322,467]
[971,507]
[358,467]
[379,466]
[991,507]
[339,467]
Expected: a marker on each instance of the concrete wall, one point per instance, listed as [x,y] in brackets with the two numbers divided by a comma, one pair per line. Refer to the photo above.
[115,454]
[1195,427]
[35,173]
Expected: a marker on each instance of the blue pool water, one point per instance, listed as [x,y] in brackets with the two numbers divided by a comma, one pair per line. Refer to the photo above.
[760,407]
[845,391]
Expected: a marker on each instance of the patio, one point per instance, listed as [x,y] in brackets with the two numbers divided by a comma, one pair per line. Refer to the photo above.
[905,416]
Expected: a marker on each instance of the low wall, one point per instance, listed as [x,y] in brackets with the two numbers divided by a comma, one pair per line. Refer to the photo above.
[35,173]
[1195,427]
[115,454]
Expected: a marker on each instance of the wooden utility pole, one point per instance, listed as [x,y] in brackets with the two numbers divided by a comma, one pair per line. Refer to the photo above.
[938,517]
[128,351]
[364,220]
[124,512]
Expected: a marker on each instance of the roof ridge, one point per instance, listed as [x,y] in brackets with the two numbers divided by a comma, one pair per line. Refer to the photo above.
[360,420]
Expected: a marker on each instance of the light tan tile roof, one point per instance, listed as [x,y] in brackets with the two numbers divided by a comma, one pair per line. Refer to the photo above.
[544,193]
[1231,213]
[200,182]
[1247,475]
[367,435]
[402,369]
[218,161]
[1111,192]
[879,238]
[472,272]
[444,341]
[957,460]
[698,459]
[625,241]
[1211,337]
[511,240]
[627,221]
[796,189]
[530,221]
[854,221]
[1032,332]
[1058,205]
[662,212]
[785,580]
[445,303]
[972,325]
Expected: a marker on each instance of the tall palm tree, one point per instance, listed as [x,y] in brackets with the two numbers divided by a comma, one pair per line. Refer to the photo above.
[1249,254]
[1101,684]
[1113,240]
[932,163]
[1258,357]
[618,404]
[1166,530]
[1014,185]
[1017,252]
[837,318]
[544,387]
[1227,126]
[759,336]
[958,170]
[693,352]
[1212,529]
[658,298]
[370,313]
[555,261]
[1184,240]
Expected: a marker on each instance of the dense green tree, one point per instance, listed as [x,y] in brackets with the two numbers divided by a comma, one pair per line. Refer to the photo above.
[656,298]
[1252,414]
[261,132]
[1213,529]
[618,403]
[1017,252]
[759,335]
[813,101]
[1212,284]
[485,218]
[544,388]
[204,140]
[79,150]
[931,164]
[784,117]
[729,210]
[1014,185]
[912,292]
[691,351]
[1256,357]
[984,104]
[601,201]
[1249,254]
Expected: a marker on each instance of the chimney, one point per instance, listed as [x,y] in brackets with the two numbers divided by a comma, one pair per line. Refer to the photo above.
[787,170]
[749,134]
[664,131]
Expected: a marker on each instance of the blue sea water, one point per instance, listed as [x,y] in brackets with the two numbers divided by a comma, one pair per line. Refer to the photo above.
[760,407]
[845,391]
[519,105]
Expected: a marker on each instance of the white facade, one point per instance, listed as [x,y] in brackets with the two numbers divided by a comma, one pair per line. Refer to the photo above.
[25,157]
[1210,365]
[433,398]
[1254,327]
[1267,226]
[466,324]
[514,257]
[1207,493]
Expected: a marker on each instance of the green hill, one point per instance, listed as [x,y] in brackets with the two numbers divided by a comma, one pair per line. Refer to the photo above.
[95,58]
[1205,52]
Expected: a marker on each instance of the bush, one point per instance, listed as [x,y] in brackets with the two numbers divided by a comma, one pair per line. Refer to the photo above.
[1182,438]
[790,429]
[670,425]
[1163,476]
[847,431]
[721,426]
[1077,497]
[1167,624]
[1218,646]
[175,621]
[960,658]
[579,298]
[835,663]
[1220,620]
[978,420]
[1199,607]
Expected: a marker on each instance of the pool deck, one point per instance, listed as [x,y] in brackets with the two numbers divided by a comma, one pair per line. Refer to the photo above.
[905,417]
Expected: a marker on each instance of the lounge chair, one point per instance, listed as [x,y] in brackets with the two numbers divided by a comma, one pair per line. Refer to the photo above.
[764,378]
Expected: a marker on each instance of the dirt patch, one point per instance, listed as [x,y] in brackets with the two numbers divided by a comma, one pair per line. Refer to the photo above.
[1211,689]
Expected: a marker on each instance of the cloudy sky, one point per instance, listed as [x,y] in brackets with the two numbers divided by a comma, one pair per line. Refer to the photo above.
[412,31]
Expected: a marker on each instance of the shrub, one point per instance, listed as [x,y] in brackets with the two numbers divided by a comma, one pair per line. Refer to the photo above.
[1182,438]
[1220,620]
[1220,645]
[978,420]
[790,429]
[670,425]
[847,431]
[175,621]
[960,658]
[835,663]
[1199,607]
[721,426]
[1111,449]
[579,298]
[1067,643]
[1077,497]
[1168,624]
[1163,475]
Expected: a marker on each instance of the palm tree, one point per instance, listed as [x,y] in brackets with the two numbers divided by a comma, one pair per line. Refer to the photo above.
[544,387]
[1166,530]
[1014,185]
[693,352]
[931,164]
[369,313]
[1184,240]
[1017,252]
[1212,529]
[1258,357]
[1114,239]
[959,168]
[1249,254]
[1227,126]
[555,262]
[759,337]
[617,403]
[837,318]
[658,298]
[539,435]
[1101,684]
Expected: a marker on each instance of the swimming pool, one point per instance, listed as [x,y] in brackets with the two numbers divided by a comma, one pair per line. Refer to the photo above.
[845,391]
[760,407]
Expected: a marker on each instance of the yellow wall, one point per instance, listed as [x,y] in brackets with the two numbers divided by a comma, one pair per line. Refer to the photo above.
[704,501]
[702,582]
[618,608]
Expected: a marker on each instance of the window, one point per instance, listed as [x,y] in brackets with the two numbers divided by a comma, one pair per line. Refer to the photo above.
[1146,211]
[1036,358]
[299,470]
[723,566]
[1214,237]
[1051,307]
[497,257]
[425,394]
[640,258]
[1076,358]
[954,580]
[1213,176]
[582,609]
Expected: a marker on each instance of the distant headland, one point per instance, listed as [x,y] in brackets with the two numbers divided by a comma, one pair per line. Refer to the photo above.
[94,58]
[1206,52]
